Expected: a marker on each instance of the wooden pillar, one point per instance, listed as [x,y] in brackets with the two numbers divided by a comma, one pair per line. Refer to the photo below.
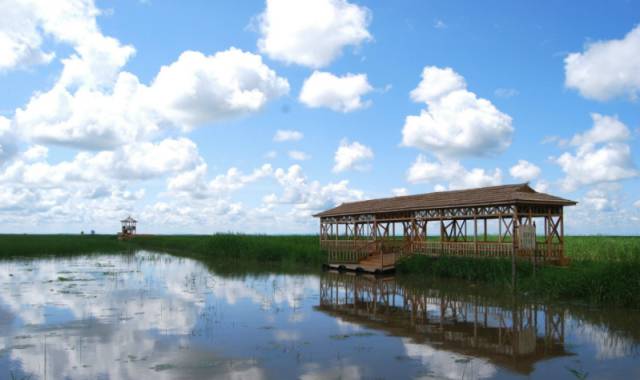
[561,234]
[485,229]
[514,247]
[475,232]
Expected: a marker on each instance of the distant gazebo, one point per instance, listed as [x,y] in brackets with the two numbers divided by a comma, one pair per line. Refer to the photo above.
[128,227]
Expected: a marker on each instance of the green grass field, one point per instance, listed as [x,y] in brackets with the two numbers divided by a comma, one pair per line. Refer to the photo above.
[603,269]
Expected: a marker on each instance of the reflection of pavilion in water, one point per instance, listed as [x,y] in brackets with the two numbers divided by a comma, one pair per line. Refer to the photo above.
[512,335]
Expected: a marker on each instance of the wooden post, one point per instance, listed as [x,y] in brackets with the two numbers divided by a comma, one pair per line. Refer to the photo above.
[485,229]
[475,232]
[513,250]
[561,235]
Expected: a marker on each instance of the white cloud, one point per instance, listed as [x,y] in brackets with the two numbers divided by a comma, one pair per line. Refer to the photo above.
[351,156]
[20,39]
[140,162]
[287,135]
[35,153]
[270,155]
[606,69]
[8,147]
[456,122]
[341,94]
[88,118]
[298,155]
[601,155]
[525,171]
[399,191]
[541,186]
[605,129]
[637,204]
[600,200]
[196,89]
[199,89]
[311,33]
[310,196]
[193,183]
[96,59]
[452,172]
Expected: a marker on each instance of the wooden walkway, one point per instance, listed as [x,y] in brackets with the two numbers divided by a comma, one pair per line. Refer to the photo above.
[376,263]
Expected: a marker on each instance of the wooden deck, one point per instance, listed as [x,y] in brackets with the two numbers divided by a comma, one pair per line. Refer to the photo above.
[380,256]
[371,264]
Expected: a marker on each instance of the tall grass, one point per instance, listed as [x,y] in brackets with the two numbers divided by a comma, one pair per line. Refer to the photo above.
[43,245]
[603,248]
[301,251]
[603,270]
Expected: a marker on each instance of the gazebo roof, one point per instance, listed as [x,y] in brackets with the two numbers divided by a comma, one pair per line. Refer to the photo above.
[129,219]
[484,196]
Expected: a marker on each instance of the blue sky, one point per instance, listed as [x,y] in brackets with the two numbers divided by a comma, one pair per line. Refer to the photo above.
[170,111]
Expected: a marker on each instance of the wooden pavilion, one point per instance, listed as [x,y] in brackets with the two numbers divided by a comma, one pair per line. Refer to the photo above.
[128,227]
[371,235]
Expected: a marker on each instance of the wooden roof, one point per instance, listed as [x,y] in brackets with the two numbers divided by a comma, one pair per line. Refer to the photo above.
[483,196]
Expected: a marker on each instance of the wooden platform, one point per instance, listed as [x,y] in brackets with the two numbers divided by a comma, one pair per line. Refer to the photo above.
[370,264]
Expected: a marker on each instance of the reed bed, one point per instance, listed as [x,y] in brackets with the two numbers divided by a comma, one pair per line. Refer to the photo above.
[12,246]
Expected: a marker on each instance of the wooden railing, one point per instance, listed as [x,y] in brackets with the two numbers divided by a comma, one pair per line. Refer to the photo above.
[468,248]
[553,253]
[347,251]
[353,251]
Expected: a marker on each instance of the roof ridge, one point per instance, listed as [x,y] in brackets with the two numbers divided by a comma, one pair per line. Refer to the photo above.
[443,192]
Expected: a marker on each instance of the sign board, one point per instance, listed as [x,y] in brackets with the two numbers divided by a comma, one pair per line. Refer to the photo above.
[527,237]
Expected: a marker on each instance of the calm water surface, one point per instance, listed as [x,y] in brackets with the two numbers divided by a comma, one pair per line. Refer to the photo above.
[156,316]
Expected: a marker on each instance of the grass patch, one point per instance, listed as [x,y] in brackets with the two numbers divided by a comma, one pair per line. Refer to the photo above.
[227,253]
[12,246]
[603,270]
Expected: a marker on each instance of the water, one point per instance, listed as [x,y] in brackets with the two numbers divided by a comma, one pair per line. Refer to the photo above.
[156,316]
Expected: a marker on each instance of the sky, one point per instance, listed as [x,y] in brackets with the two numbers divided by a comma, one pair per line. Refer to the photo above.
[203,117]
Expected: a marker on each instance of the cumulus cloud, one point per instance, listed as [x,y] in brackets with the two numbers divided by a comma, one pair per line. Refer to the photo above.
[287,135]
[601,155]
[637,204]
[605,129]
[140,162]
[194,184]
[311,33]
[36,152]
[96,59]
[452,172]
[341,94]
[298,155]
[8,147]
[200,89]
[525,171]
[308,196]
[90,118]
[20,39]
[196,89]
[600,200]
[352,156]
[606,69]
[456,122]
